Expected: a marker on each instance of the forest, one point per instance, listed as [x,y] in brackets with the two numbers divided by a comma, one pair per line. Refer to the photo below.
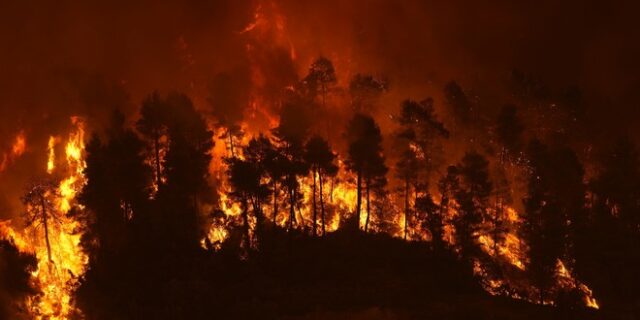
[290,188]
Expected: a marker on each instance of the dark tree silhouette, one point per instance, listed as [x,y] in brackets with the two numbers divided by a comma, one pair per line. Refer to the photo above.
[417,136]
[613,256]
[152,125]
[365,157]
[187,168]
[365,90]
[116,193]
[407,170]
[245,179]
[291,134]
[434,221]
[509,129]
[229,97]
[448,186]
[554,211]
[320,79]
[458,101]
[41,210]
[541,226]
[472,197]
[260,155]
[15,281]
[320,159]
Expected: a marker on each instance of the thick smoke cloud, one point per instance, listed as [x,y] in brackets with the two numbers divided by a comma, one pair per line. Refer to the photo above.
[84,58]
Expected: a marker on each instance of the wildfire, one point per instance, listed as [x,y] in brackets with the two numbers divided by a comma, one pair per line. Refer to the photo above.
[569,281]
[51,160]
[57,277]
[17,149]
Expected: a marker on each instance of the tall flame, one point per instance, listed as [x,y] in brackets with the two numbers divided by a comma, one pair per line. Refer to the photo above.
[57,278]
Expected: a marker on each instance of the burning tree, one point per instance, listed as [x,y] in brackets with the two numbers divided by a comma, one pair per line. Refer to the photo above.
[419,155]
[228,97]
[40,200]
[365,158]
[320,79]
[614,256]
[472,196]
[291,134]
[245,178]
[152,125]
[554,208]
[320,159]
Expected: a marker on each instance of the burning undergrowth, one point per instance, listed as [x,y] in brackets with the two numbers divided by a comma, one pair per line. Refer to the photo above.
[283,141]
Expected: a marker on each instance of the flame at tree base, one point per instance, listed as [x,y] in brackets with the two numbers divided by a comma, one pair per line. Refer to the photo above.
[60,266]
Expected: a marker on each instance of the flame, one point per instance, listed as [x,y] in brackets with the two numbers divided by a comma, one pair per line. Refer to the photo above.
[567,280]
[57,279]
[19,145]
[51,160]
[18,148]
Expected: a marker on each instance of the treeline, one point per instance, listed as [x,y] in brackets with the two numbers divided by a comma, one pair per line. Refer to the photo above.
[147,189]
[147,203]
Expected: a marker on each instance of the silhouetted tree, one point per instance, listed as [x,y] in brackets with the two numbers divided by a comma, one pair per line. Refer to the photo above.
[554,207]
[260,154]
[365,156]
[41,211]
[365,90]
[152,125]
[375,181]
[497,219]
[614,232]
[187,168]
[229,97]
[245,178]
[407,170]
[434,220]
[448,186]
[291,134]
[117,187]
[509,131]
[320,79]
[458,101]
[417,136]
[16,286]
[320,159]
[472,197]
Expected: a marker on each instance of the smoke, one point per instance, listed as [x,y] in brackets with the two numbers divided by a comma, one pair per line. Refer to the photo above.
[84,58]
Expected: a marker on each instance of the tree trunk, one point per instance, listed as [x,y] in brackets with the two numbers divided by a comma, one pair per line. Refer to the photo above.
[245,218]
[230,137]
[156,147]
[275,202]
[444,202]
[292,212]
[333,184]
[496,217]
[257,211]
[358,199]
[366,223]
[315,216]
[46,228]
[406,207]
[322,204]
